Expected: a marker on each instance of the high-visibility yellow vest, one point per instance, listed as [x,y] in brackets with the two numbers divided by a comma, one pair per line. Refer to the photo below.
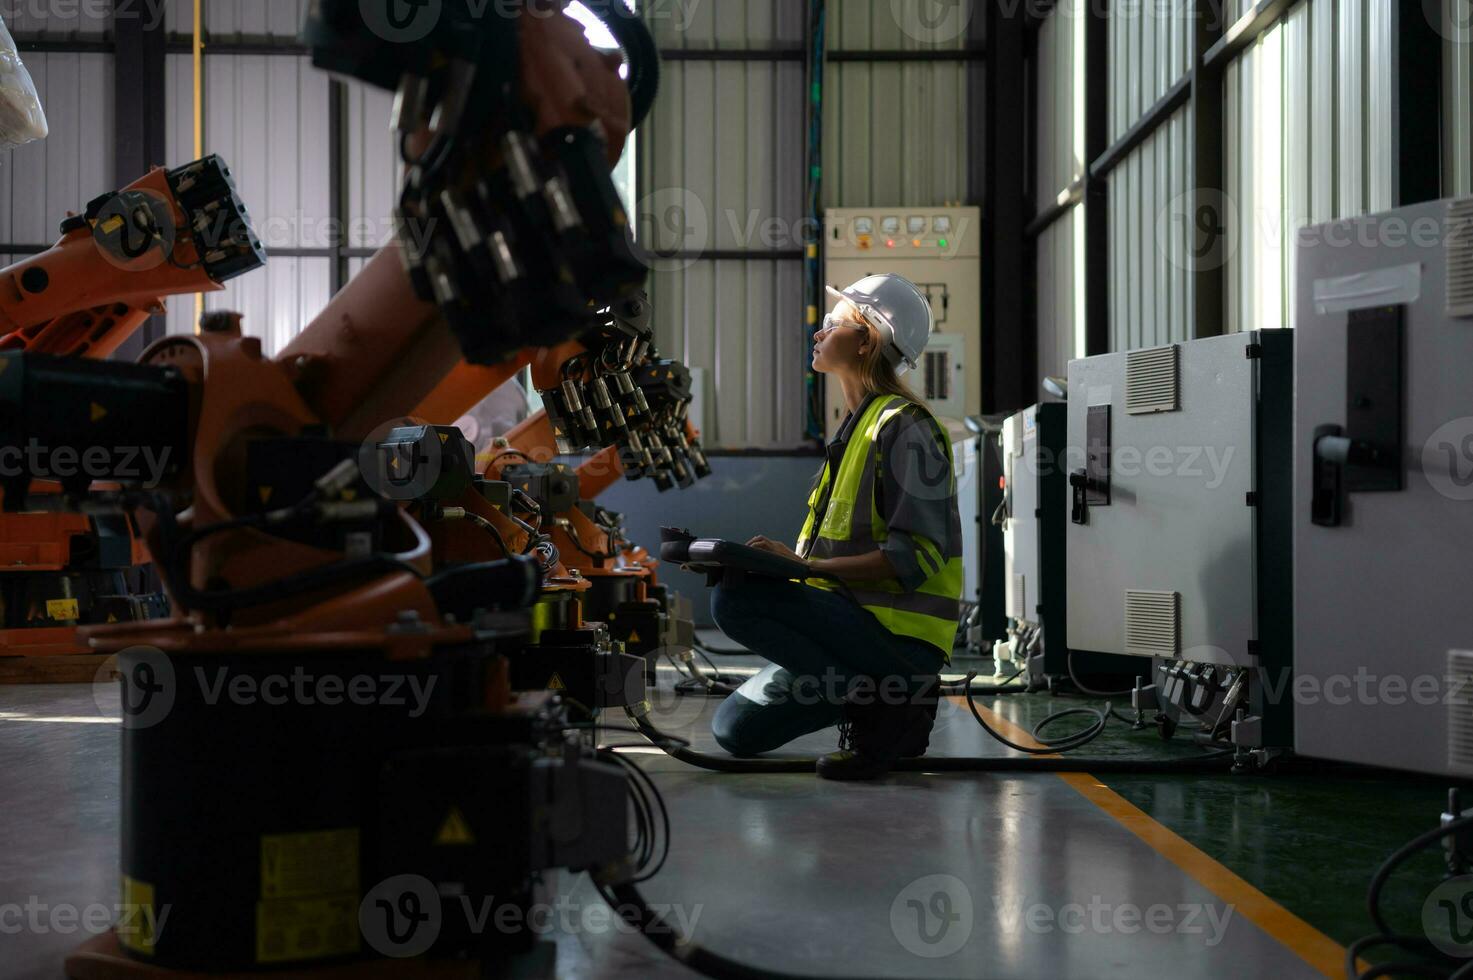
[851,524]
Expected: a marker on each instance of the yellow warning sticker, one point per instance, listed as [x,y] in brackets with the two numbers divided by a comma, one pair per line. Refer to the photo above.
[320,862]
[633,636]
[137,920]
[306,928]
[443,437]
[555,683]
[455,830]
[98,412]
[265,493]
[62,609]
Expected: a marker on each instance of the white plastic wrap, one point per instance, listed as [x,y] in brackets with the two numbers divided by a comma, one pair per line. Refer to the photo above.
[21,117]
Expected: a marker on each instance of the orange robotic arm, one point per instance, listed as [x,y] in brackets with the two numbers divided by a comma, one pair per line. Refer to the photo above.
[374,355]
[168,233]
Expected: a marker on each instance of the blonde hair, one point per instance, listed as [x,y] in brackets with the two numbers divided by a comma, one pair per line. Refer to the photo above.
[876,372]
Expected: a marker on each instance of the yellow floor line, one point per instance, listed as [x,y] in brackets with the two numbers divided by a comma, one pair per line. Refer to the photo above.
[1314,947]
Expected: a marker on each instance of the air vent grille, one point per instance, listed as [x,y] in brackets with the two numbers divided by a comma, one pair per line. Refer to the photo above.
[1152,380]
[938,375]
[1018,606]
[1152,623]
[1460,257]
[1460,710]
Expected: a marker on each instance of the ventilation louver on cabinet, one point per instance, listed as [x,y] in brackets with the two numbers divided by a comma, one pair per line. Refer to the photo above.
[1152,380]
[1460,710]
[1460,257]
[1152,623]
[938,375]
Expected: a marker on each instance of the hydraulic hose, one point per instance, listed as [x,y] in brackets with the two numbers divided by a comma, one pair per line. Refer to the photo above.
[1210,762]
[640,52]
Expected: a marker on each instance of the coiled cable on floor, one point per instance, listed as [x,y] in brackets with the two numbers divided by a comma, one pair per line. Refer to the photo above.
[1207,762]
[1054,744]
[1386,937]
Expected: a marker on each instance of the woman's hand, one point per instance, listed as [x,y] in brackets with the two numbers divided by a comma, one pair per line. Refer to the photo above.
[774,547]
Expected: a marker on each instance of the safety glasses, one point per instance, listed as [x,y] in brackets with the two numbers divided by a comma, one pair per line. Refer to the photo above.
[832,322]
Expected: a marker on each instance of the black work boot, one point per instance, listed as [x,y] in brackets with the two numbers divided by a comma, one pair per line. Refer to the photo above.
[924,702]
[870,739]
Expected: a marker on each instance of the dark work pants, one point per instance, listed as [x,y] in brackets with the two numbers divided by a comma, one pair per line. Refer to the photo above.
[821,645]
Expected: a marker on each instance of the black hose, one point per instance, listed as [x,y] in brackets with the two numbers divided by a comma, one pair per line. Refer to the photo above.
[965,685]
[1384,934]
[1062,744]
[639,51]
[1210,762]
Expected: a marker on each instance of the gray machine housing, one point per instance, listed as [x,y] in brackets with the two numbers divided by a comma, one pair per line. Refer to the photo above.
[1035,575]
[1383,489]
[1177,542]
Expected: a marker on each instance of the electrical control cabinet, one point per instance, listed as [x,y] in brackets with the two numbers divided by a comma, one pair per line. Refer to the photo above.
[1177,536]
[1383,489]
[1034,519]
[1033,540]
[938,249]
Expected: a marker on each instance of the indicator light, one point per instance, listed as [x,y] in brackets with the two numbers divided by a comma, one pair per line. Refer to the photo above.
[941,242]
[889,243]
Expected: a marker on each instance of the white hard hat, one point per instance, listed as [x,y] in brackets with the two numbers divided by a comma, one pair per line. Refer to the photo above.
[898,310]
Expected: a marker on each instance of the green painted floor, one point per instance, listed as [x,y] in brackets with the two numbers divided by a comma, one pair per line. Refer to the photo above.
[1309,837]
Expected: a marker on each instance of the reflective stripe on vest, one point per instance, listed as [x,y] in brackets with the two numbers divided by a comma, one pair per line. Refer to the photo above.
[852,525]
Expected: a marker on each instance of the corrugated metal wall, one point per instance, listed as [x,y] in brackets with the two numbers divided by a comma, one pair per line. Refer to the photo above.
[1059,162]
[895,135]
[42,181]
[85,20]
[1151,292]
[1150,50]
[1308,118]
[1060,301]
[267,115]
[720,168]
[1457,28]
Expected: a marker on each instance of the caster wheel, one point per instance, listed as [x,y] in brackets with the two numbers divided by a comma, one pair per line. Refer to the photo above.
[1165,727]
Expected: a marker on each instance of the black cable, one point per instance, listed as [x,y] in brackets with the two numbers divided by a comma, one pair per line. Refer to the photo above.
[1207,762]
[640,53]
[1384,934]
[315,579]
[1054,746]
[698,683]
[1355,949]
[640,783]
[492,529]
[1097,728]
[1004,686]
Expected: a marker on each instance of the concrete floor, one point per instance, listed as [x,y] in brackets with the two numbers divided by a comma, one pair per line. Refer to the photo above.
[920,875]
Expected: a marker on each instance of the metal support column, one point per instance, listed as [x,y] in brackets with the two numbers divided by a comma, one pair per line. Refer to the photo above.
[138,104]
[1009,338]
